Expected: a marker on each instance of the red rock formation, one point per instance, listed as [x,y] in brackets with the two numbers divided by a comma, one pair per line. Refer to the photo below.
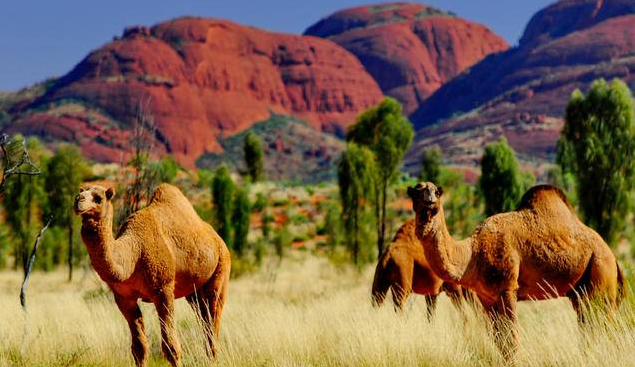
[200,79]
[410,49]
[522,93]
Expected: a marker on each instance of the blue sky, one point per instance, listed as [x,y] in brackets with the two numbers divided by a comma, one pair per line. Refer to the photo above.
[40,39]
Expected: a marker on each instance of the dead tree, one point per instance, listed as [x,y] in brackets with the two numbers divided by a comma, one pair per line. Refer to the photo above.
[145,175]
[16,161]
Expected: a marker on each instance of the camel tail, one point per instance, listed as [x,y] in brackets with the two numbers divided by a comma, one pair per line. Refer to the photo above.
[621,284]
[380,281]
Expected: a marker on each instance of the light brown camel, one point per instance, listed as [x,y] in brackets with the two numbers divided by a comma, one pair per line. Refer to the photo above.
[403,269]
[539,251]
[162,252]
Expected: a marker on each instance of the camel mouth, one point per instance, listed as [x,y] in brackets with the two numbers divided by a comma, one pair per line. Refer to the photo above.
[80,211]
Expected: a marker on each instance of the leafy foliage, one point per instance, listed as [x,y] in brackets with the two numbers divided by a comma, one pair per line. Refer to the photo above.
[597,145]
[501,183]
[388,134]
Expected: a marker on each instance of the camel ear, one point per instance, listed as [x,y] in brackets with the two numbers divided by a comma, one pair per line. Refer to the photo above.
[110,193]
[439,191]
[410,191]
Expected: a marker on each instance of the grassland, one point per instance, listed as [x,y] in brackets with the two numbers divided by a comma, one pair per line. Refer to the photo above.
[302,312]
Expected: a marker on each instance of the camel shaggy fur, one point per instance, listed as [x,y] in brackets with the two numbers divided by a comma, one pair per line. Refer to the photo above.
[403,269]
[539,251]
[162,252]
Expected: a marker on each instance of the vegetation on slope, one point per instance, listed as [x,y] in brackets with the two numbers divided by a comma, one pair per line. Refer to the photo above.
[293,151]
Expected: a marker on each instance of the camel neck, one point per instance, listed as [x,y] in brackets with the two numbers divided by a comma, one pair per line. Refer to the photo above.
[112,259]
[447,257]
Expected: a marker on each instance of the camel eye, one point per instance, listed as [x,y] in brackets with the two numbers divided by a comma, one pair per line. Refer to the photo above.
[97,199]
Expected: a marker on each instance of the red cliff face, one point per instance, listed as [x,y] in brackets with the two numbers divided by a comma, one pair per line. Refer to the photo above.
[522,93]
[200,79]
[410,49]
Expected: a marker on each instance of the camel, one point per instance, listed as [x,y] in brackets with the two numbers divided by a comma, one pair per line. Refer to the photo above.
[539,251]
[162,252]
[403,269]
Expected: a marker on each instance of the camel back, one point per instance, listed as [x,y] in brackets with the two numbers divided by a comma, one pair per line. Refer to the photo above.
[538,192]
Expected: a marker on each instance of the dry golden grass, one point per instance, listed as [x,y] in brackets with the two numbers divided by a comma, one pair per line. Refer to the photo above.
[304,313]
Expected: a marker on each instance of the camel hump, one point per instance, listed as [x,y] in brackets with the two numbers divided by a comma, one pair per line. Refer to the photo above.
[539,194]
[166,193]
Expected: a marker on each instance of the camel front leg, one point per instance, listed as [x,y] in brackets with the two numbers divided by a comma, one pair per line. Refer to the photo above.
[455,294]
[401,287]
[169,341]
[131,311]
[502,314]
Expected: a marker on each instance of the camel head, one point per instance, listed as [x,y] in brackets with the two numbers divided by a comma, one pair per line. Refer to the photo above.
[94,203]
[426,199]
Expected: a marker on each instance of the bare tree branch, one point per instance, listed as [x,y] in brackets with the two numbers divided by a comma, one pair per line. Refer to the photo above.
[30,264]
[15,160]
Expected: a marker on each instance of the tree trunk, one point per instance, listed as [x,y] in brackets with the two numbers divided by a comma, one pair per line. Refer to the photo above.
[25,250]
[382,233]
[380,243]
[356,240]
[70,250]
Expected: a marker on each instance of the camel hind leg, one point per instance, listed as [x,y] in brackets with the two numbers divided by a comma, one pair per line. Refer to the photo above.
[598,286]
[209,300]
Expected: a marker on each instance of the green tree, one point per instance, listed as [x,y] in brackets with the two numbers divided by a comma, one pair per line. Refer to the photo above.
[222,196]
[254,157]
[166,169]
[431,163]
[501,183]
[240,221]
[597,145]
[388,134]
[64,172]
[355,173]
